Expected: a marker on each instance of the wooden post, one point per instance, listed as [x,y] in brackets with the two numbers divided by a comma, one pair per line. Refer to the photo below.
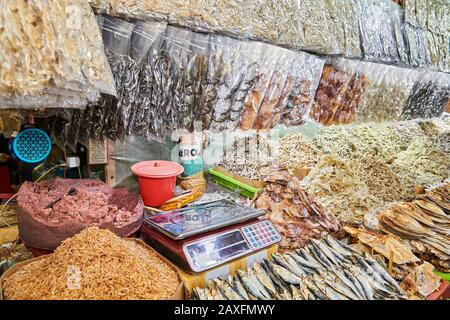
[110,167]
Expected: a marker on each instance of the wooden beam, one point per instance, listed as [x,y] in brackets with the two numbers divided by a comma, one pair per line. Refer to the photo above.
[110,168]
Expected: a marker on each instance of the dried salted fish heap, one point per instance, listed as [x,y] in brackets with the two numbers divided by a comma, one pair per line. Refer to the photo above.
[382,182]
[438,131]
[335,185]
[326,269]
[425,223]
[247,156]
[292,210]
[381,141]
[421,164]
[53,55]
[295,150]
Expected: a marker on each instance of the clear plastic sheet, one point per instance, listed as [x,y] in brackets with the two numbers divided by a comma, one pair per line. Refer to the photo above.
[433,15]
[375,30]
[62,62]
[360,91]
[306,25]
[145,115]
[381,31]
[429,96]
[339,94]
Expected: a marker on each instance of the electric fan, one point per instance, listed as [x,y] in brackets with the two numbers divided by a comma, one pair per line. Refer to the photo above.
[31,145]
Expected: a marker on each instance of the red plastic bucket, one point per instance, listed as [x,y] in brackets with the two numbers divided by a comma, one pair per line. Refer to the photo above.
[157,179]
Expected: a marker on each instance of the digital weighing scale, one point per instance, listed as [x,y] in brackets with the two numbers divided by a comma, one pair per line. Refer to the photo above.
[200,238]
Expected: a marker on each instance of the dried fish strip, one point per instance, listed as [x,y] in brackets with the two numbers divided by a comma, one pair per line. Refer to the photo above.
[95,264]
[385,245]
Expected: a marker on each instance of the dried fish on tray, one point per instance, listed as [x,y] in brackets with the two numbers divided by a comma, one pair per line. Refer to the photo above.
[292,210]
[335,185]
[425,222]
[324,270]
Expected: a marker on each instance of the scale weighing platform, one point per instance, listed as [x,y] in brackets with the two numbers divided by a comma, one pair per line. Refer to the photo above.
[206,237]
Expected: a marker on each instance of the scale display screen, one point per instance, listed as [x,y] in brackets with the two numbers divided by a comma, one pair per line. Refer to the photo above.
[216,250]
[186,222]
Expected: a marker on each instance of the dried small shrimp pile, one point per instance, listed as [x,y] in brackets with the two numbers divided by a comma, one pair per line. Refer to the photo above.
[382,182]
[95,264]
[422,164]
[247,156]
[296,151]
[335,185]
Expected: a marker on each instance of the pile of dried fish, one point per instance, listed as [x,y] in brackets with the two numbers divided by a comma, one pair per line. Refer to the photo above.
[335,185]
[292,210]
[381,141]
[247,156]
[421,282]
[421,164]
[426,223]
[295,151]
[417,278]
[438,131]
[325,270]
[382,182]
[385,245]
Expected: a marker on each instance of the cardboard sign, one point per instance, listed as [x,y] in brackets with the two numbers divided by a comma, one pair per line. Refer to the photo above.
[98,152]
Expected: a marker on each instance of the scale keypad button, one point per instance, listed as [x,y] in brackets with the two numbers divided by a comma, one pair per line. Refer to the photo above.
[261,234]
